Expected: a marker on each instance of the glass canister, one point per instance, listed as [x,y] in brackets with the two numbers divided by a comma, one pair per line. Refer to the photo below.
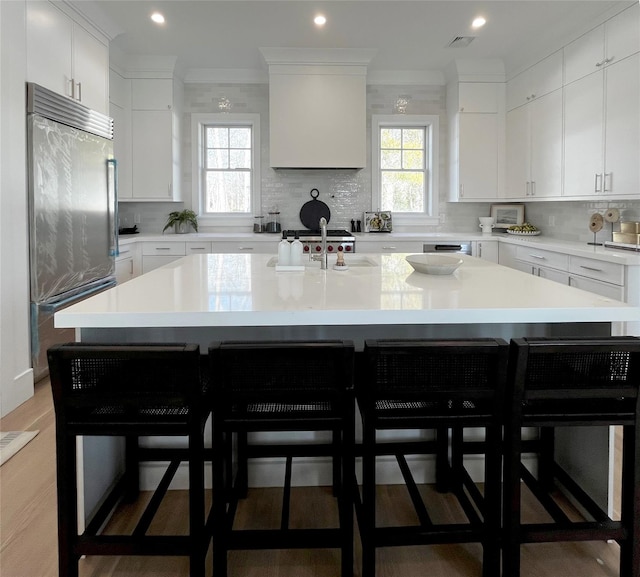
[273,222]
[258,223]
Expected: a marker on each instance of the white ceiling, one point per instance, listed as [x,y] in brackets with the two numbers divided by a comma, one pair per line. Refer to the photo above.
[407,35]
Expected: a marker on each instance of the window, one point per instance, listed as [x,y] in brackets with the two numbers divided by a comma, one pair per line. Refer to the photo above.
[226,172]
[405,167]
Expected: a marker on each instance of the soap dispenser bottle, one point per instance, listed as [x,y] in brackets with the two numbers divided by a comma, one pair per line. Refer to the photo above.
[296,251]
[284,251]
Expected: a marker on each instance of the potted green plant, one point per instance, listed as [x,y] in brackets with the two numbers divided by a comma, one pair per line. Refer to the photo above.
[180,220]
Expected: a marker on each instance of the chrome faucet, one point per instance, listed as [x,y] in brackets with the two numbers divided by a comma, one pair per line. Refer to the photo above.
[323,256]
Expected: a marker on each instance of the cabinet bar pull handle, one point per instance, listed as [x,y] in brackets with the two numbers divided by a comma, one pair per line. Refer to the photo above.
[461,190]
[197,248]
[598,64]
[608,175]
[591,268]
[73,88]
[598,187]
[389,248]
[162,248]
[526,188]
[245,248]
[79,91]
[538,256]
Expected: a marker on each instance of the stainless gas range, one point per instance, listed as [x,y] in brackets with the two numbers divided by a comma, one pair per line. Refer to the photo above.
[337,240]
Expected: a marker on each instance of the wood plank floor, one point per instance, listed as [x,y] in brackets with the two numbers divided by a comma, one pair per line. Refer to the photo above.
[28,543]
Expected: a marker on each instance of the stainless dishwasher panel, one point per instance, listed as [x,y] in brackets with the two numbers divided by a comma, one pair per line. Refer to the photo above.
[463,247]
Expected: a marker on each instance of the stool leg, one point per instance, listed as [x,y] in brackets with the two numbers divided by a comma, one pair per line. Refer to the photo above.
[337,467]
[196,503]
[367,531]
[132,469]
[67,489]
[457,456]
[219,505]
[443,476]
[546,457]
[491,512]
[347,487]
[242,477]
[630,513]
[511,503]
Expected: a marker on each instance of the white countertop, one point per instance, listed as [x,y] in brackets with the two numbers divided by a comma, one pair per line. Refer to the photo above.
[241,290]
[619,256]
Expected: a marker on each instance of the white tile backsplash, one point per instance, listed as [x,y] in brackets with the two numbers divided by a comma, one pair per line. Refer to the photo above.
[348,192]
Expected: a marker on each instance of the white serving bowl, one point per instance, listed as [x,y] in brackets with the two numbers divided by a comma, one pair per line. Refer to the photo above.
[428,263]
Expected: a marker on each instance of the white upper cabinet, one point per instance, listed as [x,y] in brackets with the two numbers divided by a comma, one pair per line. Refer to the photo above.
[534,148]
[607,44]
[152,94]
[477,97]
[622,134]
[602,126]
[476,133]
[67,57]
[120,111]
[535,82]
[155,140]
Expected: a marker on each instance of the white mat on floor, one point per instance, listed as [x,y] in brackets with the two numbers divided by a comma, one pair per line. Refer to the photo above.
[12,441]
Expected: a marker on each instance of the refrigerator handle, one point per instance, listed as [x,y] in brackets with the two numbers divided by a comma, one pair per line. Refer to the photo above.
[52,307]
[112,192]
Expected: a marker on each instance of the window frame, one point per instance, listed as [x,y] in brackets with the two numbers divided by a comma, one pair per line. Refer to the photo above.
[431,125]
[223,219]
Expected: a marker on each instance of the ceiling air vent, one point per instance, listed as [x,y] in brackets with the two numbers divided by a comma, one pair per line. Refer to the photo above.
[461,42]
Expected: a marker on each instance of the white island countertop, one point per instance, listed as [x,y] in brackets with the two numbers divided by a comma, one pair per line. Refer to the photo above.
[241,290]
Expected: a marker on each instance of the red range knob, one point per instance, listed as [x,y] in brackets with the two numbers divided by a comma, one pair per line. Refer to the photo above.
[348,248]
[306,248]
[329,248]
[340,248]
[318,248]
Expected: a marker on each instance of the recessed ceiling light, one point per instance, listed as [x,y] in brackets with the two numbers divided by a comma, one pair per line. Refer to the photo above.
[157,18]
[320,20]
[478,22]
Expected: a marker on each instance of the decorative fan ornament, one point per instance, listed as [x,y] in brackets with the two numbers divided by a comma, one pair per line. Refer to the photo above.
[612,215]
[595,224]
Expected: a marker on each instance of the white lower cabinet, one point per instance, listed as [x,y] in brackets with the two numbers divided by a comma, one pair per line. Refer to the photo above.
[250,247]
[389,246]
[157,254]
[197,248]
[600,277]
[127,263]
[485,249]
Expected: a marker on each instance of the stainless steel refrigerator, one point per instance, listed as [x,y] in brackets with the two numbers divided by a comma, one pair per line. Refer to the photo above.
[72,183]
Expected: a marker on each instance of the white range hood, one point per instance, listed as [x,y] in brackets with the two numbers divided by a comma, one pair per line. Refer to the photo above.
[317,107]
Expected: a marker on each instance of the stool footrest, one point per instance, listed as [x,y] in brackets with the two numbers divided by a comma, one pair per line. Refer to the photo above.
[433,535]
[284,539]
[129,545]
[586,531]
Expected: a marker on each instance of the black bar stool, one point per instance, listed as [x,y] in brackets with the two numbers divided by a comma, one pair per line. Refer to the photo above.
[571,383]
[129,390]
[281,386]
[440,385]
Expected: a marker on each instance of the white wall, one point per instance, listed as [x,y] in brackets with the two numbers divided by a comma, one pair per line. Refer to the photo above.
[16,376]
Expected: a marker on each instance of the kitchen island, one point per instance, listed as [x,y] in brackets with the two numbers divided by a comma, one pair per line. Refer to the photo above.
[201,298]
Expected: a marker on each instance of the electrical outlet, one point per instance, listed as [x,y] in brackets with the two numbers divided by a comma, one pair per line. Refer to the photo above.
[552,220]
[137,218]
